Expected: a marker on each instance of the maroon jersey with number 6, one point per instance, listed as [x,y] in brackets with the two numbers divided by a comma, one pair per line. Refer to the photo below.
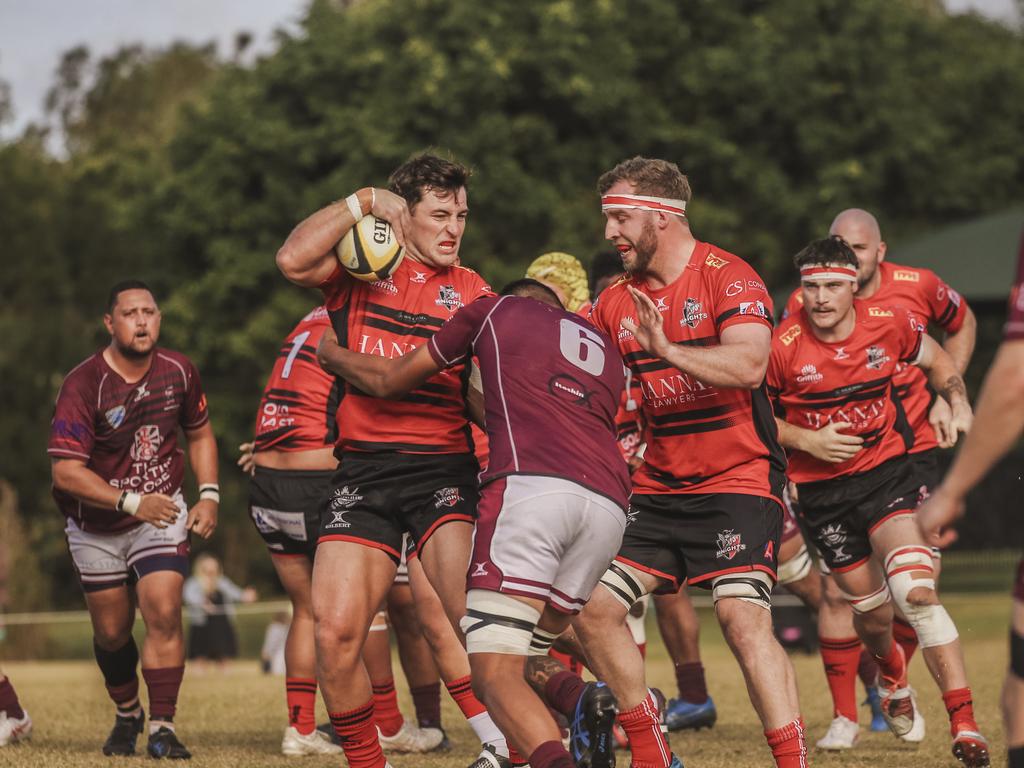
[126,433]
[552,384]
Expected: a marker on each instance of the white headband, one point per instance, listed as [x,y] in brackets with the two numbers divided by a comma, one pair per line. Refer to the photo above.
[645,202]
[828,272]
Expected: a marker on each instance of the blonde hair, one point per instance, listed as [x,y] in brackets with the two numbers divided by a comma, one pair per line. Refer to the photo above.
[564,271]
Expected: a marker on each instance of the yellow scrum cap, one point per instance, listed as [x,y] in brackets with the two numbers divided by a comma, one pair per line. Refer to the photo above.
[564,271]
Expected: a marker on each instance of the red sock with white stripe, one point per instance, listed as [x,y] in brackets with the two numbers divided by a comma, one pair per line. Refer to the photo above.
[300,693]
[789,745]
[642,725]
[357,733]
[461,691]
[385,708]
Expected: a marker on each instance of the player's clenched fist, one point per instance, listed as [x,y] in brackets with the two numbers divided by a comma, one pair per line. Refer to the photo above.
[202,518]
[157,509]
[831,445]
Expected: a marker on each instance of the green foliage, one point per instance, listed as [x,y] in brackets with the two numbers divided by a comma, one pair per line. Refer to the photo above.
[190,171]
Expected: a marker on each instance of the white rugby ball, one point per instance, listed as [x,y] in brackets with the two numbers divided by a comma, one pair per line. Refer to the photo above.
[369,251]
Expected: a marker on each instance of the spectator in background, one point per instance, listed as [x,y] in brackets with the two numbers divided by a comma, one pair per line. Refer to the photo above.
[210,599]
[274,640]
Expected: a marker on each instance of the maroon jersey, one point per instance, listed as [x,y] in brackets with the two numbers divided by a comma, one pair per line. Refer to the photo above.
[552,385]
[300,402]
[925,295]
[391,318]
[700,438]
[814,383]
[126,433]
[1014,329]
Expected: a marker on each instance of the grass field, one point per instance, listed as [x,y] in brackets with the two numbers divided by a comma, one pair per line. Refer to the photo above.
[236,718]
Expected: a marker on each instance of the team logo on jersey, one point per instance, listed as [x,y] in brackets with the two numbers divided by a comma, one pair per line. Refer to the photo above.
[790,335]
[841,354]
[147,443]
[568,388]
[141,391]
[448,297]
[879,312]
[906,276]
[479,569]
[692,316]
[384,286]
[954,297]
[729,544]
[715,262]
[734,288]
[833,535]
[661,304]
[756,308]
[115,416]
[446,497]
[876,357]
[809,374]
[625,334]
[418,277]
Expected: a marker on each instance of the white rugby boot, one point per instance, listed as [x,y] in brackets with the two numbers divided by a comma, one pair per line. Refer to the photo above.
[842,733]
[313,743]
[411,738]
[916,733]
[13,730]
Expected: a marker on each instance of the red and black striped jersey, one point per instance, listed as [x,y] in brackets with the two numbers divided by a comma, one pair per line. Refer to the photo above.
[925,295]
[391,318]
[700,438]
[814,383]
[298,410]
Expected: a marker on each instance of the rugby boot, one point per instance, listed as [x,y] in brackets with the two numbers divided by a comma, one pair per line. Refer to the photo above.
[676,762]
[315,742]
[411,738]
[916,734]
[842,733]
[898,705]
[123,735]
[164,745]
[14,729]
[971,749]
[591,743]
[444,743]
[489,758]
[682,715]
[874,700]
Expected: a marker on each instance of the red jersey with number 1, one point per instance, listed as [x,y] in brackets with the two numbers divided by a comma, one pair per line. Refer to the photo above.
[298,410]
[924,294]
[391,318]
[700,438]
[814,383]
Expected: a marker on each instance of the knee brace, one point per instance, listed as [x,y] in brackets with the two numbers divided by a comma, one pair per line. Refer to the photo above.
[635,620]
[623,583]
[931,622]
[751,587]
[541,642]
[497,623]
[866,603]
[1016,655]
[380,622]
[796,568]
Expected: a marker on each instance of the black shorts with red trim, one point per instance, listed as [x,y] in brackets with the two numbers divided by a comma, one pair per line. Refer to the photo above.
[683,537]
[927,471]
[376,497]
[285,507]
[841,513]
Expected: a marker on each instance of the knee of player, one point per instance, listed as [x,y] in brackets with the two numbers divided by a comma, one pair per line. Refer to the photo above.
[335,635]
[164,623]
[922,596]
[110,638]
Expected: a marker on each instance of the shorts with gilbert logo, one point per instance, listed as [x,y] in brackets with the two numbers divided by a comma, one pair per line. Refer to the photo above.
[285,505]
[842,513]
[105,561]
[695,538]
[377,497]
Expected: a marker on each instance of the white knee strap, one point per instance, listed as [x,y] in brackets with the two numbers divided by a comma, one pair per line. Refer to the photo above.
[497,623]
[624,584]
[866,603]
[796,568]
[931,622]
[635,620]
[541,642]
[749,586]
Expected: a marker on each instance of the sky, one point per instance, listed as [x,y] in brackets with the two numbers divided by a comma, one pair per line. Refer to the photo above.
[34,34]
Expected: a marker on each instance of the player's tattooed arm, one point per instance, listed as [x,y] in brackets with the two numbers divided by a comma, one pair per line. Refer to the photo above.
[953,388]
[540,669]
[946,380]
[377,376]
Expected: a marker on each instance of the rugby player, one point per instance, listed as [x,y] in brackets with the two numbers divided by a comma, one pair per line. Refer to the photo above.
[998,423]
[406,466]
[15,724]
[117,475]
[693,323]
[931,300]
[551,516]
[831,377]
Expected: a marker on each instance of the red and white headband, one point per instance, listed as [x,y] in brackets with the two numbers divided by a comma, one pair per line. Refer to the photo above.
[828,272]
[644,202]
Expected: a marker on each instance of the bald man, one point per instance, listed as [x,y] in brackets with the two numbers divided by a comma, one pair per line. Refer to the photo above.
[882,284]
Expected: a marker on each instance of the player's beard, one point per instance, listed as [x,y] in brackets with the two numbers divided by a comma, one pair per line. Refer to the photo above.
[644,249]
[136,354]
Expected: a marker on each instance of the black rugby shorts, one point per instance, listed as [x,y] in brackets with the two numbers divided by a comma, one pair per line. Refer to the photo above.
[285,506]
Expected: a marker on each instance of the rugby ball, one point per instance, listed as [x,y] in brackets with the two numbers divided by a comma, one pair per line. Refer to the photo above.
[369,251]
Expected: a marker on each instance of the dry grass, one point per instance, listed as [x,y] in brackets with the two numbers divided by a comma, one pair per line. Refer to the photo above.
[236,718]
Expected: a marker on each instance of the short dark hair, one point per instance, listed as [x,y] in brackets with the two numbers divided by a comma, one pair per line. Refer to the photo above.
[649,176]
[604,264]
[426,171]
[121,287]
[532,289]
[827,250]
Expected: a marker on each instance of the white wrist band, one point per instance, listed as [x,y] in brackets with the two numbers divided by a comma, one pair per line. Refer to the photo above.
[209,494]
[131,503]
[352,201]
